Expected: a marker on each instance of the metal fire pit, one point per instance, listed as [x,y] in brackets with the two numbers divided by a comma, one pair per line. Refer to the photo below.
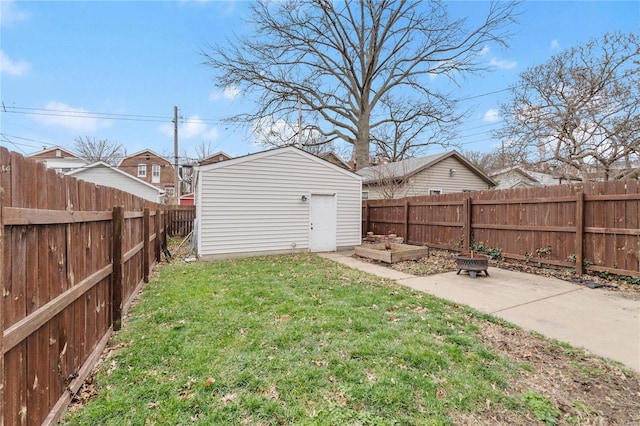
[472,263]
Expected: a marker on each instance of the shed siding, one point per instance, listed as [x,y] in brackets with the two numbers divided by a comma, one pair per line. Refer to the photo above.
[255,206]
[437,177]
[105,177]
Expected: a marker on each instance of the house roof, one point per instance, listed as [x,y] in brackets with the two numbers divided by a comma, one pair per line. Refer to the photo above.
[150,152]
[276,151]
[332,157]
[212,158]
[515,169]
[406,168]
[101,164]
[66,153]
[539,178]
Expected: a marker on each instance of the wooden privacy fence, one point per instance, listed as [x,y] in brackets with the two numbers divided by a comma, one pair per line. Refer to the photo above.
[73,258]
[180,220]
[590,226]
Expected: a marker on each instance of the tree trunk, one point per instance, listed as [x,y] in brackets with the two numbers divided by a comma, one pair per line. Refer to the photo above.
[361,143]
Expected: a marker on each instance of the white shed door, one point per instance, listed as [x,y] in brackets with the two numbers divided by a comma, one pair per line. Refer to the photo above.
[322,226]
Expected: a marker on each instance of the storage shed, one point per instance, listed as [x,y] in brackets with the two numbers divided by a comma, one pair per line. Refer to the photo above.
[278,201]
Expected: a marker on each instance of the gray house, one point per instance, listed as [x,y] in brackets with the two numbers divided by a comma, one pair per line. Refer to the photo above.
[278,201]
[434,174]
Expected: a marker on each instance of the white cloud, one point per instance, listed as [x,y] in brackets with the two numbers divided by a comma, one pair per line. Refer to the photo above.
[190,128]
[229,92]
[492,115]
[554,44]
[10,13]
[8,66]
[78,119]
[485,50]
[505,65]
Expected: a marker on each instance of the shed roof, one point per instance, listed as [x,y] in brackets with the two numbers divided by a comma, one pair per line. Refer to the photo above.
[277,151]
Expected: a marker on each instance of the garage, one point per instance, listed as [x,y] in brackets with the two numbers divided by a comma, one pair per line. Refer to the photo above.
[283,200]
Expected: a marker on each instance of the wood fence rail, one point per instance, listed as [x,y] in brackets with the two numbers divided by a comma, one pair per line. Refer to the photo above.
[180,220]
[589,227]
[74,255]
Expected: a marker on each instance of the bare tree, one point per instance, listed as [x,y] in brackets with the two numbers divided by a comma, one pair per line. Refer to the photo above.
[489,161]
[406,131]
[334,62]
[580,111]
[204,150]
[94,150]
[387,180]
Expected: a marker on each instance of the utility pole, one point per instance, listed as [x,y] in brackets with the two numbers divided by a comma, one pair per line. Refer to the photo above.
[176,190]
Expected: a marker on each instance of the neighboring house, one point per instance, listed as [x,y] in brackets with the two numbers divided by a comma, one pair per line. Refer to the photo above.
[332,157]
[104,174]
[60,159]
[215,158]
[278,201]
[152,168]
[435,174]
[186,173]
[519,177]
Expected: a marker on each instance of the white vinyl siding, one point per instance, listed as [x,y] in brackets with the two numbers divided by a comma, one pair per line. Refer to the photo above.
[114,179]
[254,204]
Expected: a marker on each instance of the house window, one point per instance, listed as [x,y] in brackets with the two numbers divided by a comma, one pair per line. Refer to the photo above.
[365,195]
[435,191]
[142,170]
[155,173]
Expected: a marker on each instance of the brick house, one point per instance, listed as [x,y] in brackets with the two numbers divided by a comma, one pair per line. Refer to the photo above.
[151,168]
[60,159]
[215,158]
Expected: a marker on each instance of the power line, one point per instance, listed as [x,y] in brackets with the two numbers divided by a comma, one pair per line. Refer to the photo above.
[88,113]
[104,115]
[27,139]
[15,144]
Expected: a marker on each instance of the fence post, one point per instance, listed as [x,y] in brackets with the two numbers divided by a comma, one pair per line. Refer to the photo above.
[165,225]
[366,217]
[579,233]
[2,286]
[118,266]
[467,224]
[145,248]
[406,221]
[156,242]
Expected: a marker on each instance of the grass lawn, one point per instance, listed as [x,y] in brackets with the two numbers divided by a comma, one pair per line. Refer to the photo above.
[299,340]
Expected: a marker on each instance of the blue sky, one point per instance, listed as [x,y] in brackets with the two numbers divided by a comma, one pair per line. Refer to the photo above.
[131,62]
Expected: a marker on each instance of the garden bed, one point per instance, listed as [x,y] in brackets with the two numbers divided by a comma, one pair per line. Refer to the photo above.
[391,252]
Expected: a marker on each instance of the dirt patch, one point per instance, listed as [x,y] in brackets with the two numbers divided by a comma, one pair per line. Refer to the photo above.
[582,388]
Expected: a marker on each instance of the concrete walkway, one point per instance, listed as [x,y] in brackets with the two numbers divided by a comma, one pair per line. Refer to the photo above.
[604,322]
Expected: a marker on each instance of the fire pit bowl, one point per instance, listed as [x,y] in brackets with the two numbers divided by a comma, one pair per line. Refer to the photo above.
[472,263]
